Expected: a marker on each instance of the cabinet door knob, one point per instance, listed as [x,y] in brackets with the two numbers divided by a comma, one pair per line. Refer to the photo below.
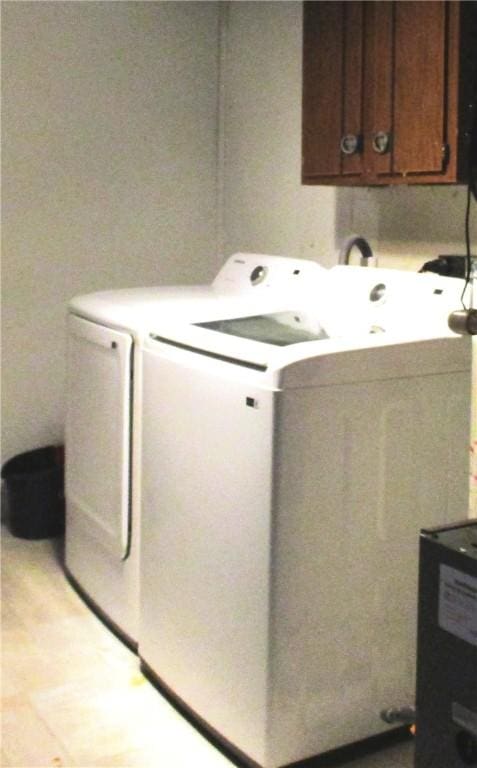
[381,142]
[350,144]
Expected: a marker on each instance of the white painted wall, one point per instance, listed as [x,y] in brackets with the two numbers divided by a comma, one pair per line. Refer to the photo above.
[109,175]
[266,208]
[410,225]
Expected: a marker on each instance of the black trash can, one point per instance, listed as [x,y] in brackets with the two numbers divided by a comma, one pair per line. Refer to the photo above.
[34,493]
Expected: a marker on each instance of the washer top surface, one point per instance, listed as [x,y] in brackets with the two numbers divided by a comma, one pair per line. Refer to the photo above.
[250,276]
[346,325]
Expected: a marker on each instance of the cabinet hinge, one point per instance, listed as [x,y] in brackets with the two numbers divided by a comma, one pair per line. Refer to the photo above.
[445,149]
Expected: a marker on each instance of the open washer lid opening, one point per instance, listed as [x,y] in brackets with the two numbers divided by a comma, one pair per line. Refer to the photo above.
[278,328]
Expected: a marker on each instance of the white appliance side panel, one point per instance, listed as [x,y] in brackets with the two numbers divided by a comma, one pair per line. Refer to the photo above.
[205,541]
[98,428]
[360,470]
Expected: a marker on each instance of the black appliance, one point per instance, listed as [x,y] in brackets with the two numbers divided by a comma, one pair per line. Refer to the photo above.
[446,696]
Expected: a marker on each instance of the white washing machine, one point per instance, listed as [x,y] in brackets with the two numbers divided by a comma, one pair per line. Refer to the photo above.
[103,423]
[290,460]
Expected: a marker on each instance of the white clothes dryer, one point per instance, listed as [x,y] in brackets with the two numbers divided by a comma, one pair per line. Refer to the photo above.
[290,460]
[103,421]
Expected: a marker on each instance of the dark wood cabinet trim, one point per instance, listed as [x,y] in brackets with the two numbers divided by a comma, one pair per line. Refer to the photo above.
[379,88]
[353,73]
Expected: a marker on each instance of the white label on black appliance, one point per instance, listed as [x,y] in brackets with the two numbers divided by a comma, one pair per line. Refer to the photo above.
[458,603]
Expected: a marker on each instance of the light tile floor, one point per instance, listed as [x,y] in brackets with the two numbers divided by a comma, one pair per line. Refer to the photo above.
[73,695]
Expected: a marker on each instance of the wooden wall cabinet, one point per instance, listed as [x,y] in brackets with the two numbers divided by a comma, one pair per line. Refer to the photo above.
[389,92]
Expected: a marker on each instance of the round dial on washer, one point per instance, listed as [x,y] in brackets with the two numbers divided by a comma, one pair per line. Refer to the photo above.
[378,292]
[258,274]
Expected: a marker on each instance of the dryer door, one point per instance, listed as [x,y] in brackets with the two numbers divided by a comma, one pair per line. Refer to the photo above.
[98,432]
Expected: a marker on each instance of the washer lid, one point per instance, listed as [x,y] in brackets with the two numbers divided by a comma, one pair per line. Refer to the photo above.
[278,328]
[288,360]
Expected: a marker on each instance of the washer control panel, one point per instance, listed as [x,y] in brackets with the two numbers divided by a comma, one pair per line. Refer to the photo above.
[247,271]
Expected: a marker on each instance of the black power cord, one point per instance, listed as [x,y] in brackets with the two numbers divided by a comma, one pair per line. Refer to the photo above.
[471,192]
[468,257]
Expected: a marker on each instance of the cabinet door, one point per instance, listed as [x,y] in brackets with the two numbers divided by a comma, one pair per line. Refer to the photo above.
[405,88]
[332,88]
[419,87]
